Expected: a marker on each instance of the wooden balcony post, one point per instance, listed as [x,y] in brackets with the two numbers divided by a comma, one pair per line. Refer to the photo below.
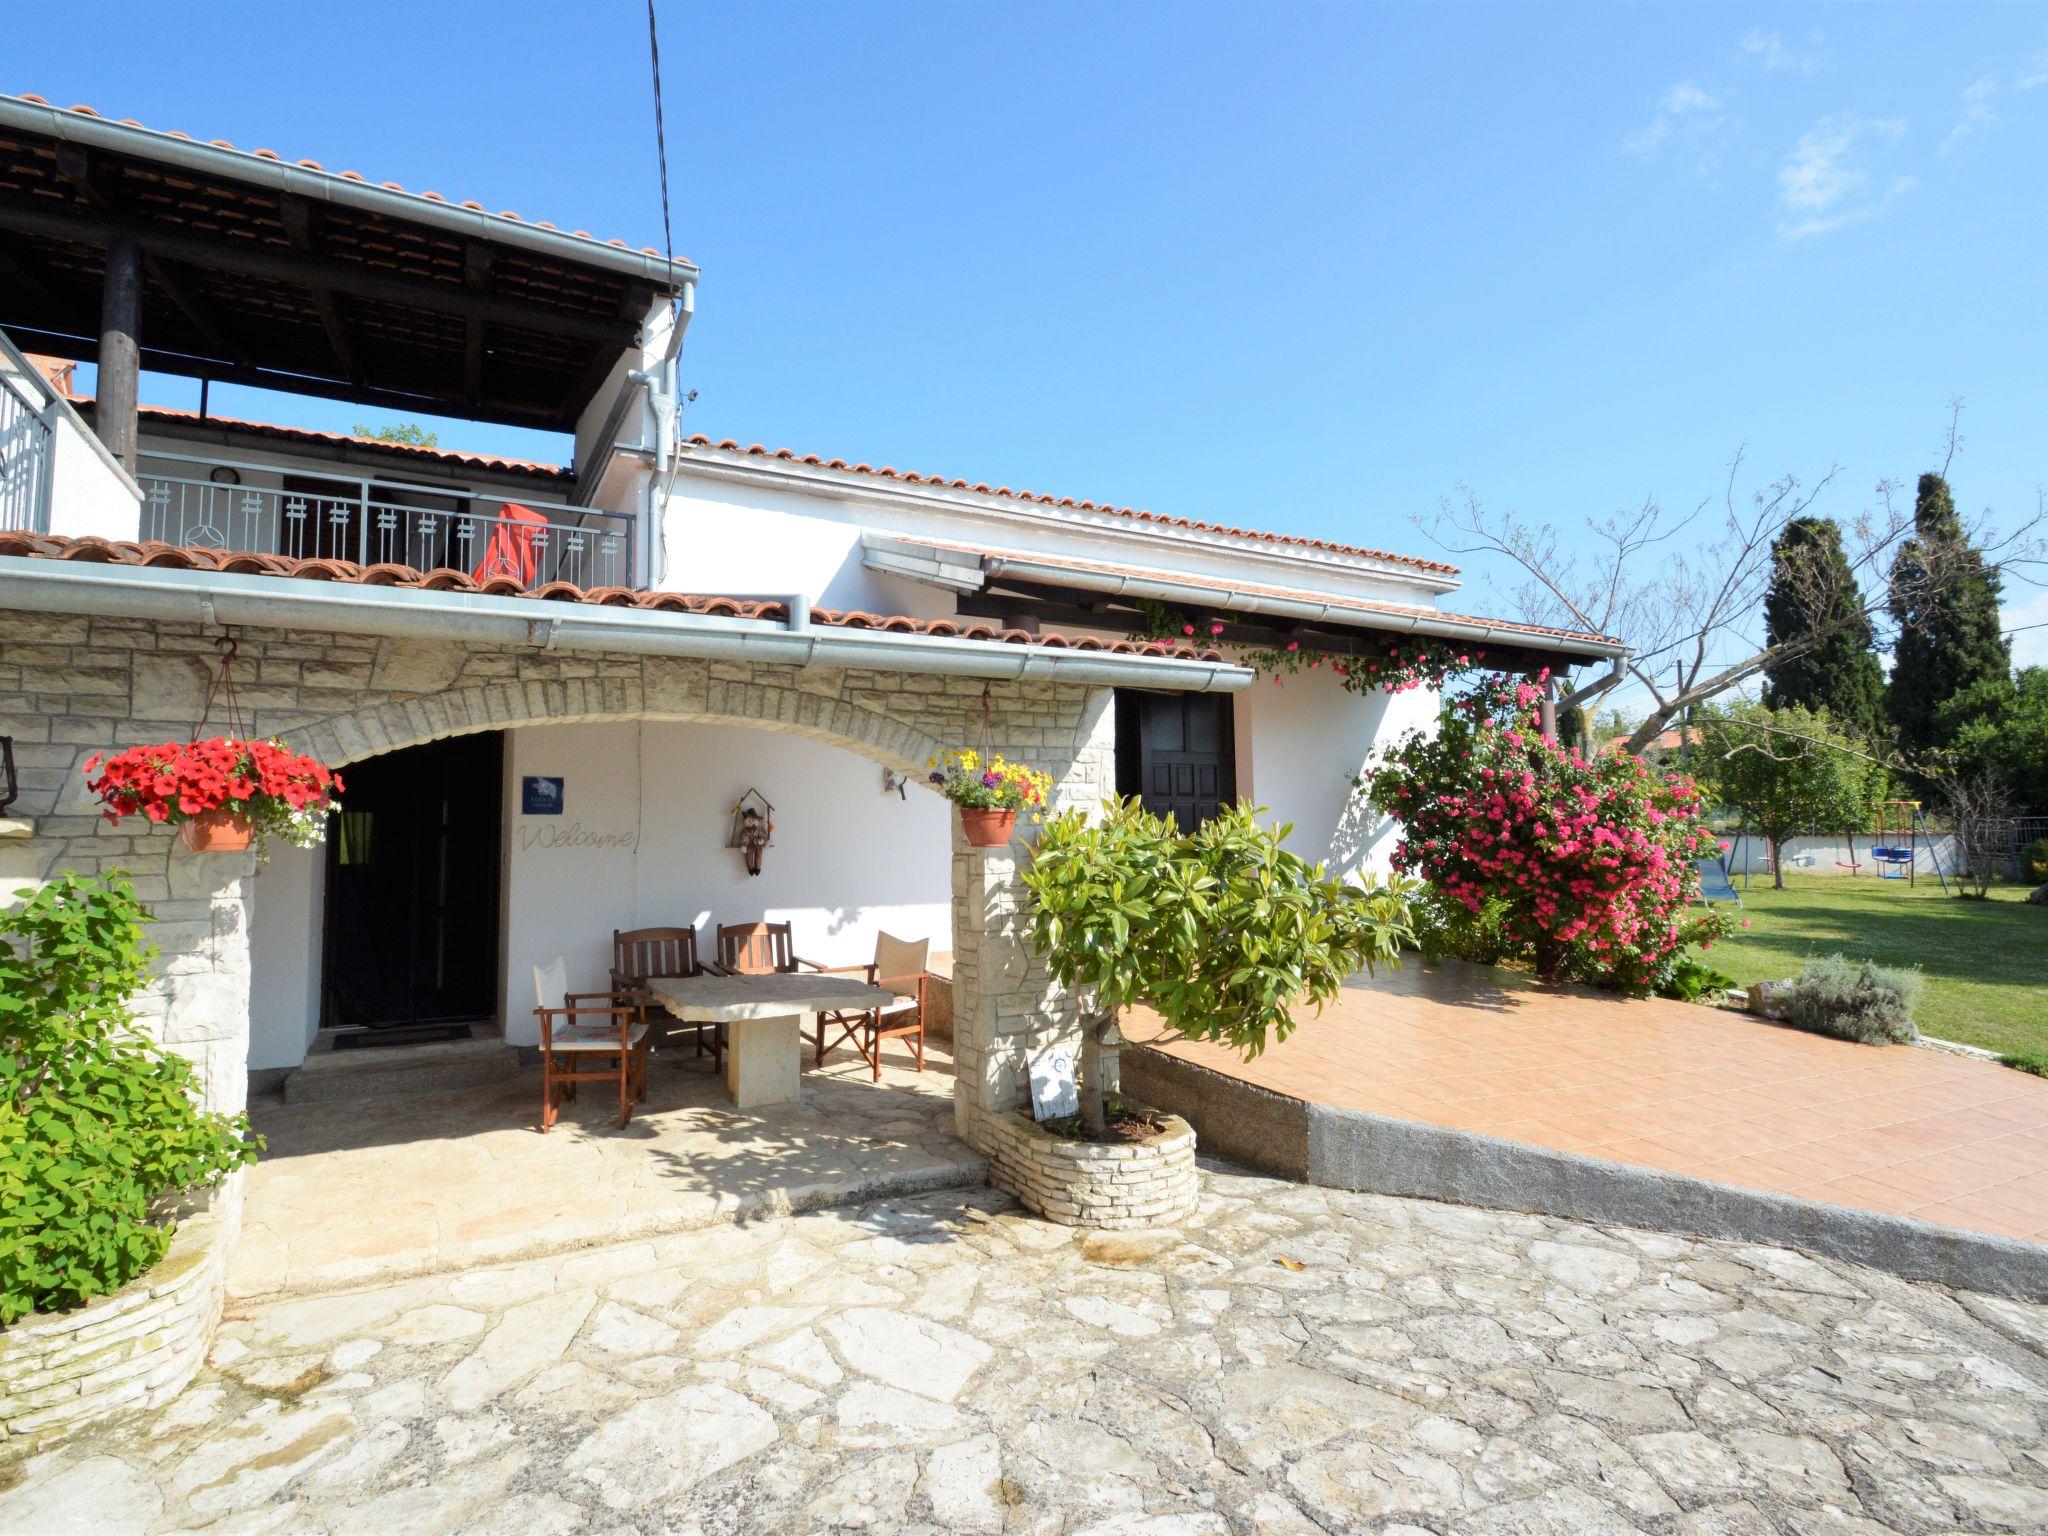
[120,359]
[1547,710]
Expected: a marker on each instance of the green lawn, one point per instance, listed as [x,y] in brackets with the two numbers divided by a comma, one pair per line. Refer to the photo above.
[1986,961]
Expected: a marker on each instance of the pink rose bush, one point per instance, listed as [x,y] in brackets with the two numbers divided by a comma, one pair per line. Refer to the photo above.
[1584,866]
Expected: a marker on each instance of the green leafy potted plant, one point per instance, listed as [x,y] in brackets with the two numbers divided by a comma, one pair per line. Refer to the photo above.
[1222,931]
[101,1129]
[990,792]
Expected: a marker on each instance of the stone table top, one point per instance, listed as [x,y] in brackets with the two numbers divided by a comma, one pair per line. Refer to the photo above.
[724,999]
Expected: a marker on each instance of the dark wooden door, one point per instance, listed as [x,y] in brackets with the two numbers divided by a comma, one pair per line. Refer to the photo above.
[1175,752]
[412,887]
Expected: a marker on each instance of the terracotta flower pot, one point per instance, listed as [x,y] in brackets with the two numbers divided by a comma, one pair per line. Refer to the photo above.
[987,828]
[215,832]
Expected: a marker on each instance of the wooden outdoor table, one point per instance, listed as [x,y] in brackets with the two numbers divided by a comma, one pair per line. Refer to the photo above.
[764,1018]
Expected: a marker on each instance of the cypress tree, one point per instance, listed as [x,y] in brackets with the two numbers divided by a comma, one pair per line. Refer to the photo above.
[1945,603]
[1813,599]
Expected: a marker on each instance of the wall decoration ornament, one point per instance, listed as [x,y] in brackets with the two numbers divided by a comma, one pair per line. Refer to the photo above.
[753,828]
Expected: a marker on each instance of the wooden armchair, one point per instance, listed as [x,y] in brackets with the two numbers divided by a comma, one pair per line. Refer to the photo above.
[641,955]
[570,1027]
[759,949]
[900,966]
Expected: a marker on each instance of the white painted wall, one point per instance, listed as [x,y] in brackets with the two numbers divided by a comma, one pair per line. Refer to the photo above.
[733,527]
[1299,741]
[641,843]
[285,912]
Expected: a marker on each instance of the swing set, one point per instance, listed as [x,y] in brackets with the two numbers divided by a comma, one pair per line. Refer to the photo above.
[1895,847]
[1897,860]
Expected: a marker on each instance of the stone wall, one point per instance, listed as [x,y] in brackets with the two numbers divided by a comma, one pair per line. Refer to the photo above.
[134,1349]
[72,686]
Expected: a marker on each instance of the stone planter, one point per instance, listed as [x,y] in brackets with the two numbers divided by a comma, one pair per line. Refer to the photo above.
[1087,1184]
[134,1349]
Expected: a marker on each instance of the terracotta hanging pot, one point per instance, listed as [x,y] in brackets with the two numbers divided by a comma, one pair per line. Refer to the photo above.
[987,828]
[215,832]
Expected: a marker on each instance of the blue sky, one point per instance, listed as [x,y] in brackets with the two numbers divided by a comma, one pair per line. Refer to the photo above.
[1303,268]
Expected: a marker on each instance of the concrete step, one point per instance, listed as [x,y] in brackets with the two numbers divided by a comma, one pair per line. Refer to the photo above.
[328,1075]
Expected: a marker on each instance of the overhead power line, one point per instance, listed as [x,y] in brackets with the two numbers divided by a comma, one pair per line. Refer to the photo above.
[668,239]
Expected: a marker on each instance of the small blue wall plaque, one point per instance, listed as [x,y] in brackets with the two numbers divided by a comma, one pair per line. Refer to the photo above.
[540,796]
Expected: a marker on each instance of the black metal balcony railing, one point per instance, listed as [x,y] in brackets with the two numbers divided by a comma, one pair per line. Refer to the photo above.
[222,504]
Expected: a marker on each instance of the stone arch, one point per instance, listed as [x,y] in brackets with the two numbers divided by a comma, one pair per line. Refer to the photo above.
[396,723]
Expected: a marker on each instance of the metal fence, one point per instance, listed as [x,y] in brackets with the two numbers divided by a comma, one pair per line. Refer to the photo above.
[26,446]
[370,522]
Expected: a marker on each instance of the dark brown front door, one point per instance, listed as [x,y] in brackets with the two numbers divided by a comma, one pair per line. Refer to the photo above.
[412,887]
[1175,752]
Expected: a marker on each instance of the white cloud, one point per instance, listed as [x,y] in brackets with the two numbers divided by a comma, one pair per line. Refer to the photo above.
[1825,182]
[2029,617]
[1686,107]
[1977,112]
[2032,73]
[1769,48]
[1686,97]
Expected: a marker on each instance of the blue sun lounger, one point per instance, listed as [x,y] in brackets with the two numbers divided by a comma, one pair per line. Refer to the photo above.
[1715,884]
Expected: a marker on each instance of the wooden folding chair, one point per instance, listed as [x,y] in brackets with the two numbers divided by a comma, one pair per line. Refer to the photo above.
[900,966]
[759,949]
[641,955]
[569,1027]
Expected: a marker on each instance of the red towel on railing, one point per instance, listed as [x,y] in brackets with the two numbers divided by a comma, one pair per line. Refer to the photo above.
[510,550]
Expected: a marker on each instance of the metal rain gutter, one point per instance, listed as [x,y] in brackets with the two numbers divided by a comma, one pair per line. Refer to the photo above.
[1158,589]
[263,602]
[329,187]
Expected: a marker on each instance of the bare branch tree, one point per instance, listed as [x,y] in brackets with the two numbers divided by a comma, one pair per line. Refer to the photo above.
[1683,590]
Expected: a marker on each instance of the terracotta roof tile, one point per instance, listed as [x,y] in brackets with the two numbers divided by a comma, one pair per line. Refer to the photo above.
[308,435]
[911,477]
[97,551]
[314,165]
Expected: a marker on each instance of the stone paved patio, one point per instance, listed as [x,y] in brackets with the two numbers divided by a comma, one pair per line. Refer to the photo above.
[1296,1361]
[377,1188]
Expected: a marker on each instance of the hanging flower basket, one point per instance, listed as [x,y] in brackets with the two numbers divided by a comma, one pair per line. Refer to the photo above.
[215,832]
[990,792]
[987,828]
[221,793]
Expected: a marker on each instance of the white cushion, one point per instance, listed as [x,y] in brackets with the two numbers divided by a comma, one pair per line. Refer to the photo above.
[588,1037]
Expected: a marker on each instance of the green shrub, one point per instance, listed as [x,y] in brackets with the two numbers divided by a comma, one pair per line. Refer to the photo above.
[1689,980]
[1854,1000]
[2035,859]
[99,1127]
[1447,930]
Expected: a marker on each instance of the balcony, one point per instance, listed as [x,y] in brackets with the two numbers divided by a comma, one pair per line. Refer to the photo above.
[55,474]
[316,514]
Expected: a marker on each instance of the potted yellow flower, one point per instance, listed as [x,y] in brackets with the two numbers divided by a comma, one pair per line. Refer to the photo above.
[989,793]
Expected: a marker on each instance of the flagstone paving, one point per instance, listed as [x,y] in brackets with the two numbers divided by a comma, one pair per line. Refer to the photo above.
[1293,1361]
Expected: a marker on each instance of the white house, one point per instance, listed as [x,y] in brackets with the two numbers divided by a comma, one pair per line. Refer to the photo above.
[548,686]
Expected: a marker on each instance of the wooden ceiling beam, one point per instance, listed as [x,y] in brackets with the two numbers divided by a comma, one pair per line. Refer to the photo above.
[308,271]
[297,216]
[476,276]
[77,166]
[85,349]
